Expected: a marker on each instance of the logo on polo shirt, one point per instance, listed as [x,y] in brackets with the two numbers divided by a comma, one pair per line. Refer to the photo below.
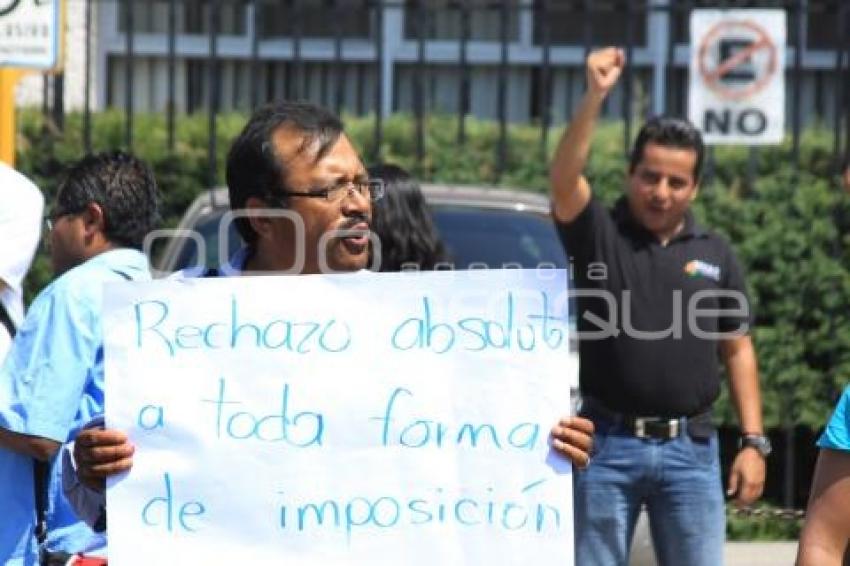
[697,268]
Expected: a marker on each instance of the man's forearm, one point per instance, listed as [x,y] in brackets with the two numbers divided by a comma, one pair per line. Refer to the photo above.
[740,359]
[33,446]
[88,504]
[570,191]
[574,148]
[827,528]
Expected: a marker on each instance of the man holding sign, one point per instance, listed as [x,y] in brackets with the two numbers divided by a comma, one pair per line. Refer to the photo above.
[307,202]
[649,382]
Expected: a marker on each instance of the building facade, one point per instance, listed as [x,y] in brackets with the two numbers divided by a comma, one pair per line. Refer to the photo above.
[402,55]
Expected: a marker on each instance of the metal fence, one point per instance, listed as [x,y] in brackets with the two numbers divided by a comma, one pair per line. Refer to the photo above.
[381,56]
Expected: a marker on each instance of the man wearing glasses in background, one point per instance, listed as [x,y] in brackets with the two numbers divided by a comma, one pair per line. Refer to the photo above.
[307,208]
[52,380]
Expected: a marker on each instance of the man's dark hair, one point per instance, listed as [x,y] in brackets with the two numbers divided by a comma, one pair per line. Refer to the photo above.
[125,189]
[402,221]
[253,167]
[669,132]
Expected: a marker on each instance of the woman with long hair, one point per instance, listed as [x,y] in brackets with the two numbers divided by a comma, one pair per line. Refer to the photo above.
[408,239]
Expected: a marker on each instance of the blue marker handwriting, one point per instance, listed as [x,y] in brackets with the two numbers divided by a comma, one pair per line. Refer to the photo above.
[511,511]
[418,432]
[427,331]
[235,420]
[153,326]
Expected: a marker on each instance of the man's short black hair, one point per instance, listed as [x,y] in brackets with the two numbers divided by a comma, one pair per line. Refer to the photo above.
[125,189]
[253,167]
[669,132]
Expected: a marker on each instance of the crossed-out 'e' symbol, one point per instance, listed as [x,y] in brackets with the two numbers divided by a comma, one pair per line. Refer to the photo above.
[737,59]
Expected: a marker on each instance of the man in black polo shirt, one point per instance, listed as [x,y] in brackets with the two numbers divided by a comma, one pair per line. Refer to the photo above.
[647,275]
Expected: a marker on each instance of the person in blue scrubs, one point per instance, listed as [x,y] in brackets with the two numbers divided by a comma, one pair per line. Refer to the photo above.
[826,533]
[52,380]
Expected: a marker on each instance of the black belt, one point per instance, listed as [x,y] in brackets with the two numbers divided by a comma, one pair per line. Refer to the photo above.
[698,426]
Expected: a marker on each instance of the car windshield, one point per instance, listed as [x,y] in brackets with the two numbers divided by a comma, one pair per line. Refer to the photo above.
[474,237]
[498,238]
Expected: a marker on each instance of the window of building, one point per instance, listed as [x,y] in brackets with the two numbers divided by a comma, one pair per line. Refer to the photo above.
[316,18]
[680,15]
[607,23]
[822,26]
[445,20]
[191,16]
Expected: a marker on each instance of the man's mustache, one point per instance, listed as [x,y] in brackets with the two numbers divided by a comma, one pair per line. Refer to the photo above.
[353,221]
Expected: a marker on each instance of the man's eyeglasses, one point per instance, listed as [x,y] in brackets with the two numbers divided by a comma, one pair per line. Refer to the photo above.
[52,217]
[50,220]
[372,189]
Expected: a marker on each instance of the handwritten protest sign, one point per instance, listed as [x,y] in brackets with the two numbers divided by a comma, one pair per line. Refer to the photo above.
[343,419]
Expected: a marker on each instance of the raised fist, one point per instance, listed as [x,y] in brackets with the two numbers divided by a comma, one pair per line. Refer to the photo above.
[604,68]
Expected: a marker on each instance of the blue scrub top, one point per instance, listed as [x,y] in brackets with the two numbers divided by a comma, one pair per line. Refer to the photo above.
[90,504]
[837,433]
[51,384]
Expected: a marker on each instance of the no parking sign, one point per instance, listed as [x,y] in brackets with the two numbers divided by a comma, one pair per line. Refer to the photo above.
[737,76]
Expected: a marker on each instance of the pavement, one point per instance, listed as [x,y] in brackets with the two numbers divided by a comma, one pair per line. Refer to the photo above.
[761,553]
[735,553]
[739,554]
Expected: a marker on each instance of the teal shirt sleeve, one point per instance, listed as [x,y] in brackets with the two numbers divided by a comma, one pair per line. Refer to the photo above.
[837,433]
[49,364]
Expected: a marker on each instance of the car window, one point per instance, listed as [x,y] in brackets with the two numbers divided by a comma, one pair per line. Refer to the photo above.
[473,236]
[498,238]
[207,227]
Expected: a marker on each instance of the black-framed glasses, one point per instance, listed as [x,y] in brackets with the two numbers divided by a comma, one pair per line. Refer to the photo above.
[53,216]
[372,189]
[50,219]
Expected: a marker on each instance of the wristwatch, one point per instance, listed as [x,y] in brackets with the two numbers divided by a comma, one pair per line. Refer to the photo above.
[757,441]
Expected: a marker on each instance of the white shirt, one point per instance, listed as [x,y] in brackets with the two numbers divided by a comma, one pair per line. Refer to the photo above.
[21,209]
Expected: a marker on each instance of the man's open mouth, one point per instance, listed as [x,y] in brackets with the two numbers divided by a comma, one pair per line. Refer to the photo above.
[355,238]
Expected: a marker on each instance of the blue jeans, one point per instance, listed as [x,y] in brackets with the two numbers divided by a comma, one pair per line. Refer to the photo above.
[679,482]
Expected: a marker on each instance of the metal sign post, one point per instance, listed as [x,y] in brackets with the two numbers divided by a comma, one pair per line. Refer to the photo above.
[8,81]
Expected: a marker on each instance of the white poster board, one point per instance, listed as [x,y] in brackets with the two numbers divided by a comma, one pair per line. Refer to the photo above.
[737,76]
[30,33]
[344,419]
